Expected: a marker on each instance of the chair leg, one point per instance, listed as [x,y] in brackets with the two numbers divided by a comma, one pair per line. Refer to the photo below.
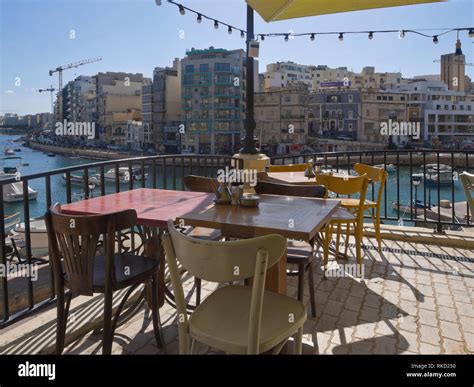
[338,239]
[348,234]
[298,344]
[155,311]
[108,333]
[377,231]
[312,297]
[197,284]
[327,241]
[359,236]
[301,282]
[61,323]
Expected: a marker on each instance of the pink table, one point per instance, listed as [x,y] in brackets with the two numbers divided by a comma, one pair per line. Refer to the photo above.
[153,206]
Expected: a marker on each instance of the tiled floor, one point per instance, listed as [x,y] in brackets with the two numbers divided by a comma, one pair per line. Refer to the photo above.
[414,299]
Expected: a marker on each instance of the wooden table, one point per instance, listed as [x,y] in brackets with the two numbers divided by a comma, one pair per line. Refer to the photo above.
[153,206]
[297,178]
[291,217]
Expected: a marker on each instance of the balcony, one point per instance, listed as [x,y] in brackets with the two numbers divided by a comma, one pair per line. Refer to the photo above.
[415,297]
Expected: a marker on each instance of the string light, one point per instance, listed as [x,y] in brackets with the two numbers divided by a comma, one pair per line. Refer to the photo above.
[312,35]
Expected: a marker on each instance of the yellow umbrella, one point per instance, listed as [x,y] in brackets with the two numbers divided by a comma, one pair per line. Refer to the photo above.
[273,10]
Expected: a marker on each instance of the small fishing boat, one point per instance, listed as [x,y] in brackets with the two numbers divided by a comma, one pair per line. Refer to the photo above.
[9,152]
[388,167]
[13,193]
[38,238]
[11,221]
[17,149]
[51,155]
[79,180]
[123,176]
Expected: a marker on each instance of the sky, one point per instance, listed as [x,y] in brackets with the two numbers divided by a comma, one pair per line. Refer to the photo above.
[137,36]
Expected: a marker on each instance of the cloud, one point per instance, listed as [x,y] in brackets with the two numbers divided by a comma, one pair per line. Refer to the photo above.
[9,92]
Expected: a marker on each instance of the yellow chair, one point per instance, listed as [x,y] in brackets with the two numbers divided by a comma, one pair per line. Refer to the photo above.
[375,175]
[287,168]
[467,181]
[235,318]
[345,186]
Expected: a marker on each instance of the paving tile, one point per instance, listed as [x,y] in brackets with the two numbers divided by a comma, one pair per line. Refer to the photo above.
[428,349]
[452,347]
[450,331]
[429,334]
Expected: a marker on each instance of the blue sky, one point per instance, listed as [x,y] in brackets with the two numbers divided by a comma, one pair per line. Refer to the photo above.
[137,35]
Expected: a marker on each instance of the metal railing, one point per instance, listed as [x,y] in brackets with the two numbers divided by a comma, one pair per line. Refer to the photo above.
[438,184]
[153,172]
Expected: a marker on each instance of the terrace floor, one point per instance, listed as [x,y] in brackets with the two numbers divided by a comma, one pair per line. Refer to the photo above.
[415,298]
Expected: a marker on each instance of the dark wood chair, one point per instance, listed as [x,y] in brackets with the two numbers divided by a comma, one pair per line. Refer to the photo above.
[80,267]
[199,183]
[296,256]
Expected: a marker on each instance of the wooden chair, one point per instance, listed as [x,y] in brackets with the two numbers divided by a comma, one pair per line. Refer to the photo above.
[345,186]
[199,183]
[235,319]
[287,168]
[78,266]
[298,257]
[375,175]
[467,181]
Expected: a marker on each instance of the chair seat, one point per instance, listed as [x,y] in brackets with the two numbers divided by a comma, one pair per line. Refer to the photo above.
[298,256]
[129,270]
[222,320]
[354,203]
[342,216]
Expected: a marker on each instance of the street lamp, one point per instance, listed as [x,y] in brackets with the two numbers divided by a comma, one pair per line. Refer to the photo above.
[416,181]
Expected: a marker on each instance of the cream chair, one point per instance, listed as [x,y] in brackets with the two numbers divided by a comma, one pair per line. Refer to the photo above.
[235,319]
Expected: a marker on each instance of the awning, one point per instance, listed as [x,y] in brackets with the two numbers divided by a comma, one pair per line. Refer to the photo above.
[273,10]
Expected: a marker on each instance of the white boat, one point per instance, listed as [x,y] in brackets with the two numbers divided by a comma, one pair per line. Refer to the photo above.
[124,175]
[11,221]
[79,180]
[13,192]
[388,167]
[38,238]
[9,152]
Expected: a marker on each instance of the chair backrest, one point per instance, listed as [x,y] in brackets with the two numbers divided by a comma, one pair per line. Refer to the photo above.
[467,181]
[222,262]
[347,186]
[288,168]
[75,238]
[375,175]
[308,191]
[200,183]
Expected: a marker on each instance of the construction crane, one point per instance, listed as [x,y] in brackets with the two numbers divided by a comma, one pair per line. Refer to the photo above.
[60,70]
[51,90]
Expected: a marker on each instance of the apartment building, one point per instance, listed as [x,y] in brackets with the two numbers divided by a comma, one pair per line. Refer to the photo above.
[369,79]
[118,100]
[453,70]
[378,108]
[279,74]
[323,76]
[446,116]
[79,98]
[213,100]
[334,114]
[282,120]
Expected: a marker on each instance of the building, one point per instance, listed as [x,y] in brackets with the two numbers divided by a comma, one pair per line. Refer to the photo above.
[453,68]
[323,77]
[213,100]
[137,136]
[79,97]
[383,107]
[369,79]
[334,114]
[118,100]
[281,118]
[279,74]
[162,103]
[446,116]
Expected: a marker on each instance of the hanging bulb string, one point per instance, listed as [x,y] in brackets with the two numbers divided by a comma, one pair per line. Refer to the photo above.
[286,35]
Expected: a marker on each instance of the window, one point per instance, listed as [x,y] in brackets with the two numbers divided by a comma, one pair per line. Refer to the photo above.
[221,66]
[350,98]
[390,98]
[379,98]
[189,69]
[350,115]
[402,98]
[350,126]
[204,67]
